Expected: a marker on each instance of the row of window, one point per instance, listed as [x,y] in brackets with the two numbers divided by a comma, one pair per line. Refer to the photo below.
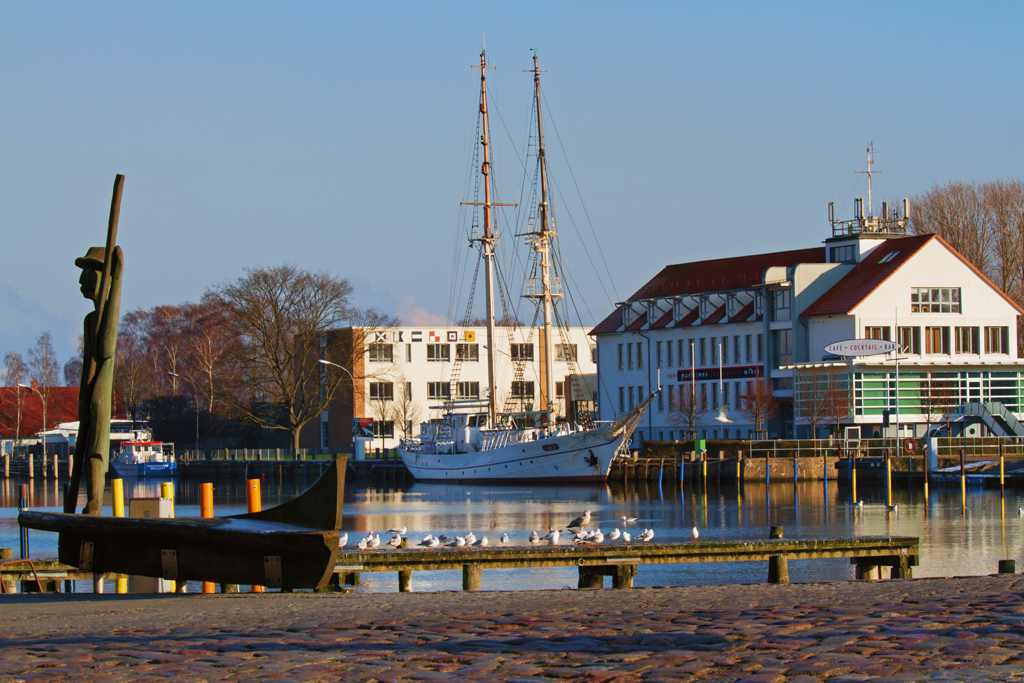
[677,398]
[385,391]
[965,340]
[441,353]
[737,349]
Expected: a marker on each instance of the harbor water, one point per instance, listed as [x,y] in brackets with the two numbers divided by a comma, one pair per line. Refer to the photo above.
[959,537]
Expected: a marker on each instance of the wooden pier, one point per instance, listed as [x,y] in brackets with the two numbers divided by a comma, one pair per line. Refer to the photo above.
[621,561]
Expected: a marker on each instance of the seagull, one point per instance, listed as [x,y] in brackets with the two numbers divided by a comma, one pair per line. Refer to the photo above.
[895,507]
[552,536]
[614,535]
[627,520]
[504,539]
[482,542]
[395,541]
[579,522]
[444,538]
[400,530]
[598,537]
[626,538]
[429,541]
[460,542]
[694,534]
[721,417]
[860,504]
[647,535]
[534,538]
[369,537]
[362,544]
[342,541]
[375,543]
[470,538]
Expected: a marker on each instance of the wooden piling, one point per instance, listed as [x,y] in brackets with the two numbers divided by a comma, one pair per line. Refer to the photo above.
[5,555]
[405,581]
[778,566]
[471,575]
[206,510]
[31,466]
[1007,566]
[254,499]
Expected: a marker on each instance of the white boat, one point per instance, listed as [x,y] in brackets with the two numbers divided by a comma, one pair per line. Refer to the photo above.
[145,459]
[472,441]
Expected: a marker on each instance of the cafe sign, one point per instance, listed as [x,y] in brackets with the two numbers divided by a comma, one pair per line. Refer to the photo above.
[862,347]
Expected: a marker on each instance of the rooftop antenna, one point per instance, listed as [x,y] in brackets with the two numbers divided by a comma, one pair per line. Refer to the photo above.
[871,162]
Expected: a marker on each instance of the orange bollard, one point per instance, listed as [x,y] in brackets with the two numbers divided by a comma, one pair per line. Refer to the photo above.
[255,501]
[206,510]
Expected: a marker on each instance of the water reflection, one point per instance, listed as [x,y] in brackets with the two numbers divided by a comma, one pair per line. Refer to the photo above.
[955,539]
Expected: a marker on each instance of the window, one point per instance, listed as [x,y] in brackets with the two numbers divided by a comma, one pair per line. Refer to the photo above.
[522,389]
[469,390]
[408,391]
[668,350]
[383,429]
[380,353]
[782,341]
[736,349]
[997,340]
[632,398]
[703,351]
[936,340]
[748,354]
[843,254]
[438,353]
[714,350]
[714,398]
[878,333]
[782,304]
[661,401]
[593,354]
[703,396]
[909,340]
[408,353]
[622,400]
[725,350]
[620,356]
[438,390]
[760,348]
[889,257]
[782,383]
[559,389]
[567,352]
[470,352]
[525,352]
[639,355]
[382,391]
[725,393]
[689,345]
[657,351]
[629,356]
[966,340]
[935,300]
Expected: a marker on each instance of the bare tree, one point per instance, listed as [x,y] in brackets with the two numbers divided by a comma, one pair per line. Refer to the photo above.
[15,373]
[685,409]
[811,403]
[44,369]
[73,368]
[759,405]
[939,396]
[133,372]
[281,315]
[407,409]
[838,399]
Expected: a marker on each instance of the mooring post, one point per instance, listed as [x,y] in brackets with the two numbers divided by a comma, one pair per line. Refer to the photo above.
[471,575]
[778,566]
[1002,471]
[7,554]
[117,505]
[255,501]
[963,479]
[1007,566]
[23,532]
[623,577]
[31,466]
[405,581]
[206,510]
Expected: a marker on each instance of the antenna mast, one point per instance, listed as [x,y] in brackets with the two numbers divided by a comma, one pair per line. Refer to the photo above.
[871,163]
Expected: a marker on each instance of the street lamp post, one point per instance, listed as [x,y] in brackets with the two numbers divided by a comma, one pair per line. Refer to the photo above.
[43,401]
[196,401]
[350,376]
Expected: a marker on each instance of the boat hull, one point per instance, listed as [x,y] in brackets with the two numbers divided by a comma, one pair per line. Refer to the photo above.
[579,457]
[144,469]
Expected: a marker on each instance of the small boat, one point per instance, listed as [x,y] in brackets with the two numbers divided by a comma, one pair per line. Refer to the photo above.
[472,440]
[145,459]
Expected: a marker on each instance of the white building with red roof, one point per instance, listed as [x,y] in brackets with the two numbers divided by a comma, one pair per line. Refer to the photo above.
[712,329]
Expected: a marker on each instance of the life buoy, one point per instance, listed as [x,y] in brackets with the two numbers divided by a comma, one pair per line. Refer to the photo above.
[909,446]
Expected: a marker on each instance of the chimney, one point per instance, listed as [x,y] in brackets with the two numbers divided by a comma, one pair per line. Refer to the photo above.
[35,387]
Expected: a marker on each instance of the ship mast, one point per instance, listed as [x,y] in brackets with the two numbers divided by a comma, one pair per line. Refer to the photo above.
[488,239]
[541,243]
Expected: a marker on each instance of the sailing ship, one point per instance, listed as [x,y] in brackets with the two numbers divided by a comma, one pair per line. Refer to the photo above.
[472,441]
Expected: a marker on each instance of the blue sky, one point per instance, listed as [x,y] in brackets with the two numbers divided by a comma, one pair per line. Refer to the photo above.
[336,136]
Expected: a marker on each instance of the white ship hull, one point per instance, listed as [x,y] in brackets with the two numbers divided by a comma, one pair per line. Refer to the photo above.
[576,457]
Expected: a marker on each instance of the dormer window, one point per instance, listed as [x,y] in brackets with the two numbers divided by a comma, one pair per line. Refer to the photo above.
[731,306]
[705,308]
[678,310]
[653,313]
[759,304]
[627,314]
[843,254]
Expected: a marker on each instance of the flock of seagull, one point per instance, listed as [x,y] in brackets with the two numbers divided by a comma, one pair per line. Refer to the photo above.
[577,531]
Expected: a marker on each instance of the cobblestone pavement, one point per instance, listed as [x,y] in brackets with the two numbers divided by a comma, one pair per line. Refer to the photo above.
[963,629]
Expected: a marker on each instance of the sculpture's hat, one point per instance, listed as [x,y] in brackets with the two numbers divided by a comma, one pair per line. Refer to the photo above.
[92,259]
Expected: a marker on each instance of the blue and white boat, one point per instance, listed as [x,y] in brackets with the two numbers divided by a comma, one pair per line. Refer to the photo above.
[144,459]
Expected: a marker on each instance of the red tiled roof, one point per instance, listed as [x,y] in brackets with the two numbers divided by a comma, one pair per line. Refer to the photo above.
[637,324]
[744,314]
[663,321]
[690,317]
[716,316]
[867,276]
[61,406]
[714,275]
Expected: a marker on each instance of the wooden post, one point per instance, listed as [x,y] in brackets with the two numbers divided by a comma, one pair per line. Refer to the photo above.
[589,580]
[31,466]
[405,581]
[471,574]
[5,555]
[255,501]
[778,566]
[868,572]
[206,510]
[1007,566]
[624,574]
